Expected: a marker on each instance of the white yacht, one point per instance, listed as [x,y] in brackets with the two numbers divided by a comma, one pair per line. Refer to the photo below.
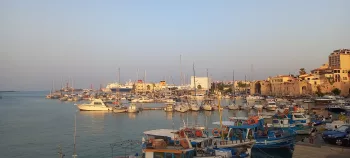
[133,108]
[271,105]
[95,105]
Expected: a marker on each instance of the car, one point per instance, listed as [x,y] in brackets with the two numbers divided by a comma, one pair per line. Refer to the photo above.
[339,136]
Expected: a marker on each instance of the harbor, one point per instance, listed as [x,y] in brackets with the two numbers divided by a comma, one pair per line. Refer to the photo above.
[174,79]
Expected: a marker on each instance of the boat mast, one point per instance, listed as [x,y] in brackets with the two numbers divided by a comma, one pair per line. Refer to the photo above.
[208,83]
[233,87]
[75,134]
[194,82]
[181,78]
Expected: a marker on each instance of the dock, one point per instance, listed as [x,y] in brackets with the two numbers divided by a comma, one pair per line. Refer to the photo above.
[307,150]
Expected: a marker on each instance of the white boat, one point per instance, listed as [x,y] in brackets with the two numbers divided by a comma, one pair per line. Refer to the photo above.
[194,106]
[182,108]
[133,108]
[347,106]
[233,106]
[142,100]
[258,105]
[207,105]
[334,125]
[95,105]
[169,107]
[271,105]
[253,98]
[168,100]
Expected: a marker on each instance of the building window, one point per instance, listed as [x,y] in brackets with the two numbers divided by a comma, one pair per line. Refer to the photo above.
[345,78]
[308,78]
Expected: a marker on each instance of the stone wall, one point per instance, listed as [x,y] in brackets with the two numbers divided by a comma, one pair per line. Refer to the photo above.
[293,88]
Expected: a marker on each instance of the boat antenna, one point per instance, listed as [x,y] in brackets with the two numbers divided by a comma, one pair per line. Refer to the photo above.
[75,134]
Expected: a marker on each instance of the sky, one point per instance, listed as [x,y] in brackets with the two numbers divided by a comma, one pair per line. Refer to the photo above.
[87,41]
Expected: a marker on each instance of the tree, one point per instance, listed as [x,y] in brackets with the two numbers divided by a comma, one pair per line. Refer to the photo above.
[302,71]
[318,92]
[199,87]
[241,84]
[336,91]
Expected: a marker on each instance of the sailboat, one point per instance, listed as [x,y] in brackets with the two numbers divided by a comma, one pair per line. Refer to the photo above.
[194,104]
[118,108]
[233,105]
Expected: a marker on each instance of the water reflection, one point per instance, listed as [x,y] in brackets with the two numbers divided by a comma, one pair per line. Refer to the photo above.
[132,115]
[94,114]
[169,115]
[207,113]
[93,121]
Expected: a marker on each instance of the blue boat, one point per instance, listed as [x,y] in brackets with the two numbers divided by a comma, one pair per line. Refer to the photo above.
[255,128]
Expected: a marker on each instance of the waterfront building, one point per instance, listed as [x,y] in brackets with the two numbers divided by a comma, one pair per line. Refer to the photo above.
[339,62]
[202,83]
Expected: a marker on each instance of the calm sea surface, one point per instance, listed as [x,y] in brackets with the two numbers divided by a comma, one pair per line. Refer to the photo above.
[32,126]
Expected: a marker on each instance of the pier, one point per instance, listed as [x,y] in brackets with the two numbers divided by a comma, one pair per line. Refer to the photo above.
[307,150]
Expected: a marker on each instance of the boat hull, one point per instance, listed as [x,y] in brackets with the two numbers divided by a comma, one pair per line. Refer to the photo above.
[271,108]
[287,141]
[92,108]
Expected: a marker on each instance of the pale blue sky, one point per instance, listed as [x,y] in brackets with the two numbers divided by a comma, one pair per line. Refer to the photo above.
[87,41]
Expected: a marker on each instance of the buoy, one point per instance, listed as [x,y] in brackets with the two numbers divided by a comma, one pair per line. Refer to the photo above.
[215,132]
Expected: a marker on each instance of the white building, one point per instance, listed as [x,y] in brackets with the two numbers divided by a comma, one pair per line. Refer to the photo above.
[203,83]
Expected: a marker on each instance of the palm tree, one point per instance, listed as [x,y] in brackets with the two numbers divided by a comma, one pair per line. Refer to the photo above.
[302,71]
[199,87]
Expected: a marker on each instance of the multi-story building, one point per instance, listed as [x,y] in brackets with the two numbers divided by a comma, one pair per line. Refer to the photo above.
[202,83]
[339,62]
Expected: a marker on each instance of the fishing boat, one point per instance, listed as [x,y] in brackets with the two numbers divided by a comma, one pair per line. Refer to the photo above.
[266,137]
[184,143]
[95,105]
[133,108]
[271,105]
[169,107]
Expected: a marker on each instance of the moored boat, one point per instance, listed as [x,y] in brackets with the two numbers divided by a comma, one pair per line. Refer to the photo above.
[271,105]
[95,105]
[169,107]
[133,108]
